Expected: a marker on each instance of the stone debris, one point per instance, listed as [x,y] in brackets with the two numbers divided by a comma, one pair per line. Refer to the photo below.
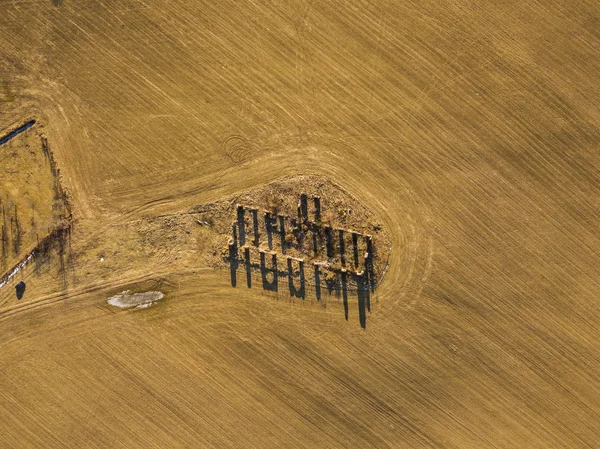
[127,300]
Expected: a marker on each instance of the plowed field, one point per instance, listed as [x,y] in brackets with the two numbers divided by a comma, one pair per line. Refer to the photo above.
[464,135]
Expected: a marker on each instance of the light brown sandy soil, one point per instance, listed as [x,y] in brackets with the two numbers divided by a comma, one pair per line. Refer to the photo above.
[31,203]
[471,129]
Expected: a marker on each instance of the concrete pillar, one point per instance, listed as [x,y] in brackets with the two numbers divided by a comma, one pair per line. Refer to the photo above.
[342,246]
[329,241]
[233,261]
[297,292]
[234,232]
[317,281]
[269,229]
[369,241]
[301,268]
[355,248]
[304,206]
[255,226]
[241,224]
[370,263]
[233,249]
[297,232]
[272,285]
[317,201]
[282,232]
[248,267]
[370,270]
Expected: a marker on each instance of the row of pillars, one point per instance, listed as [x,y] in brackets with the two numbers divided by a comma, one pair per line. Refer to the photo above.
[276,224]
[330,238]
[362,278]
[266,270]
[270,275]
[303,208]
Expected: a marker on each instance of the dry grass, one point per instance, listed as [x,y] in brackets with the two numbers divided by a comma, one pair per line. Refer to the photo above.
[471,129]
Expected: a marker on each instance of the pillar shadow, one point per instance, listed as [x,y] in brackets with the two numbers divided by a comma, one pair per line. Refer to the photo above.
[233,263]
[255,226]
[248,264]
[329,241]
[355,248]
[315,238]
[304,206]
[369,272]
[345,293]
[264,271]
[317,282]
[269,229]
[317,202]
[372,279]
[296,292]
[342,247]
[364,299]
[282,232]
[241,224]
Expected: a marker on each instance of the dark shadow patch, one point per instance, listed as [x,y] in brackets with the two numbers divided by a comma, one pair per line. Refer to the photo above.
[267,272]
[345,293]
[317,283]
[355,248]
[233,263]
[248,264]
[364,299]
[256,241]
[15,132]
[20,289]
[296,292]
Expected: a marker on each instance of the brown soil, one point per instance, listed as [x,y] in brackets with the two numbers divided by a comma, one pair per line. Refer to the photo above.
[469,130]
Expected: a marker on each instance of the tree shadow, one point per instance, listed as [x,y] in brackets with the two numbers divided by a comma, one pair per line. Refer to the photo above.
[20,289]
